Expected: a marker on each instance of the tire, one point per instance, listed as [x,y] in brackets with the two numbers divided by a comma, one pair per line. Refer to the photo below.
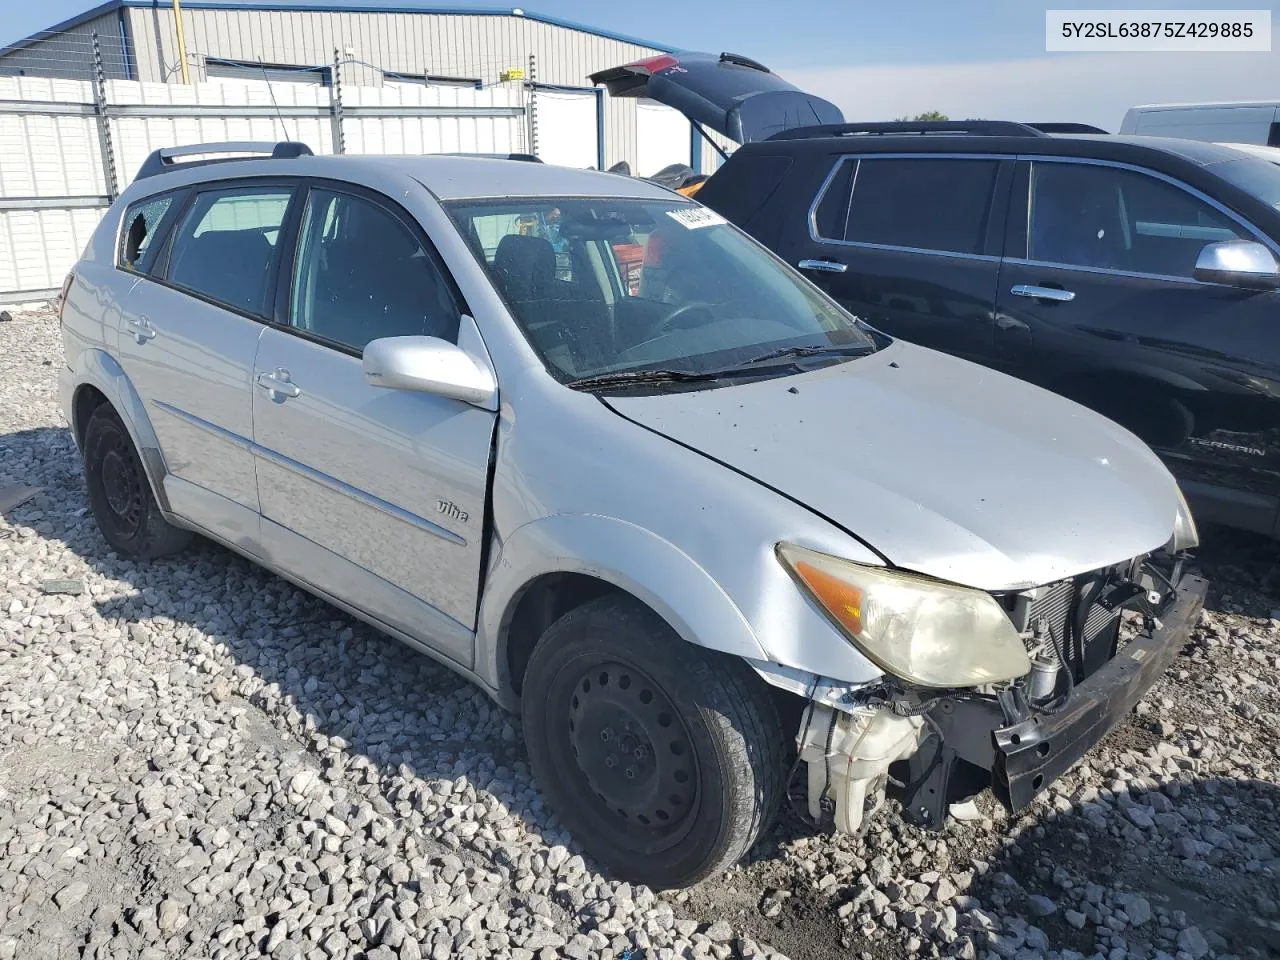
[607,684]
[120,495]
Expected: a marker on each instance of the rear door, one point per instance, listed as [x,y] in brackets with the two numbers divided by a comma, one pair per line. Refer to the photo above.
[376,496]
[732,95]
[910,244]
[189,334]
[1097,301]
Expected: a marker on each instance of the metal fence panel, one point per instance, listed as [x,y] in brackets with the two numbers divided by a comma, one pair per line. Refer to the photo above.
[55,134]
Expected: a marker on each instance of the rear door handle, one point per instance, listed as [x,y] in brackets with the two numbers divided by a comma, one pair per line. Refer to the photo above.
[824,266]
[1056,294]
[141,328]
[278,382]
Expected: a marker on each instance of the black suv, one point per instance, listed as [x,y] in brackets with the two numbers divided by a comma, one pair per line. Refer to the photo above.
[1136,275]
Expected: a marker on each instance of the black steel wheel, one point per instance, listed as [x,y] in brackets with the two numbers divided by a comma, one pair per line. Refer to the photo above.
[632,748]
[119,493]
[665,760]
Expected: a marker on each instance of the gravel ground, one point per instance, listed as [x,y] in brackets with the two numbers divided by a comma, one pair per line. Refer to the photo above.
[197,759]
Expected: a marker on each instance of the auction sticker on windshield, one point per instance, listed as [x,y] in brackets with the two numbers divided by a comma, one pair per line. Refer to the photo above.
[695,217]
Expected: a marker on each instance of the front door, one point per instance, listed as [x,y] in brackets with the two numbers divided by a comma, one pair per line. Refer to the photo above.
[187,341]
[1098,302]
[376,496]
[910,245]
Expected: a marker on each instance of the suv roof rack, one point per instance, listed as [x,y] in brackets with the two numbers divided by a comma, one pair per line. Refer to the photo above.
[981,128]
[1066,127]
[162,160]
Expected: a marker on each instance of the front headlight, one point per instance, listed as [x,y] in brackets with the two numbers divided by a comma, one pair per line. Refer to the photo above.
[926,632]
[1185,534]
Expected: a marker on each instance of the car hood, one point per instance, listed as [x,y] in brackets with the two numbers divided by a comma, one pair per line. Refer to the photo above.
[732,95]
[939,465]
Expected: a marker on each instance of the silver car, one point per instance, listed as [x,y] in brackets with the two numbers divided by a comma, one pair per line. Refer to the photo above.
[598,451]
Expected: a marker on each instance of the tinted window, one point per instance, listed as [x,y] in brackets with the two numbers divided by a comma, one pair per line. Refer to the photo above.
[226,244]
[138,228]
[1097,216]
[361,274]
[931,204]
[833,208]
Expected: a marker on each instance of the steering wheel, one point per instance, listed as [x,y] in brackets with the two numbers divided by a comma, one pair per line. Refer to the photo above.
[669,321]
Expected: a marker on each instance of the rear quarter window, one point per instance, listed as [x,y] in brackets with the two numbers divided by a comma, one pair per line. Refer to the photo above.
[139,230]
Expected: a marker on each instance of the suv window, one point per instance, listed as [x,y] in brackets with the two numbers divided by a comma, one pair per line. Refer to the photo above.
[226,244]
[138,228]
[927,203]
[1088,215]
[361,274]
[832,211]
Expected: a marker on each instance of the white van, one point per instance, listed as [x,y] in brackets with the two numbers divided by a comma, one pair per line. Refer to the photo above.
[1248,121]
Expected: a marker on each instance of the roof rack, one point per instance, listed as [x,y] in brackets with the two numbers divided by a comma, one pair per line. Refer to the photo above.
[1066,127]
[162,160]
[979,128]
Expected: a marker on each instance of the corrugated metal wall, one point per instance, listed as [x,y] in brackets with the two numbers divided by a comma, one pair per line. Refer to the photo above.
[453,45]
[69,53]
[54,186]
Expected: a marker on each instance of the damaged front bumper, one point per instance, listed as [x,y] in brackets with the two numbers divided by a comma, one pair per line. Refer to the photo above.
[965,741]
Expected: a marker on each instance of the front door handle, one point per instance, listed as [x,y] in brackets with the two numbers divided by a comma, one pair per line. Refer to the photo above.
[141,328]
[824,266]
[278,382]
[1056,294]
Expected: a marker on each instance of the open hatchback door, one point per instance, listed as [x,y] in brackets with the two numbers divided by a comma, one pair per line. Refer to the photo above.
[730,94]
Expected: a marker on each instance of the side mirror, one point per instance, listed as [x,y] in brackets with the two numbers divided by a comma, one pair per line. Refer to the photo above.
[1238,263]
[428,365]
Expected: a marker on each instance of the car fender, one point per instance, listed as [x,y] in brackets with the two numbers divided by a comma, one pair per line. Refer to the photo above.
[95,367]
[618,552]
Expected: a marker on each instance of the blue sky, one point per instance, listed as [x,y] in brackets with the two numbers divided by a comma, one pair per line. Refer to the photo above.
[976,58]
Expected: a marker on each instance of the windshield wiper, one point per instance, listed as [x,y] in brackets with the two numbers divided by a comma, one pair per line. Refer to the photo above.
[631,378]
[791,352]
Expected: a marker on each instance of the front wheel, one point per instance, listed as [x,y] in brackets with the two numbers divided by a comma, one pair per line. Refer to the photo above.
[665,760]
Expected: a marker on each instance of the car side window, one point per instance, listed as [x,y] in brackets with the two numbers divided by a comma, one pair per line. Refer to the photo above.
[226,246]
[1108,218]
[361,274]
[138,228]
[927,203]
[832,211]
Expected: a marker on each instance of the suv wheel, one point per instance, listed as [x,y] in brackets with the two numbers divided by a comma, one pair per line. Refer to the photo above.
[664,760]
[119,494]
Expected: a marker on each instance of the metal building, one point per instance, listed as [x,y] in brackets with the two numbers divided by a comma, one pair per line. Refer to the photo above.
[376,43]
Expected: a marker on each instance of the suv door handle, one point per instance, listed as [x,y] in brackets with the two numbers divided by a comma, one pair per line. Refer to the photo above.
[1056,294]
[825,266]
[141,328]
[278,382]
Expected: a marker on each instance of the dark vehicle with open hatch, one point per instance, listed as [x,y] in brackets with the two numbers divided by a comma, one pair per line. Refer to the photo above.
[1136,275]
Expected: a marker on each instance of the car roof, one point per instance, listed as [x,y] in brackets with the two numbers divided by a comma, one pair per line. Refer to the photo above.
[447,177]
[1209,104]
[1202,152]
[457,178]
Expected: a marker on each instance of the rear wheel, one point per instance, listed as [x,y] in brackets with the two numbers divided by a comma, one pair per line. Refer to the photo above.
[119,494]
[665,760]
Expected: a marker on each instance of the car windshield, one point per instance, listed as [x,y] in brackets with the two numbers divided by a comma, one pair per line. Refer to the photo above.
[1254,175]
[610,287]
